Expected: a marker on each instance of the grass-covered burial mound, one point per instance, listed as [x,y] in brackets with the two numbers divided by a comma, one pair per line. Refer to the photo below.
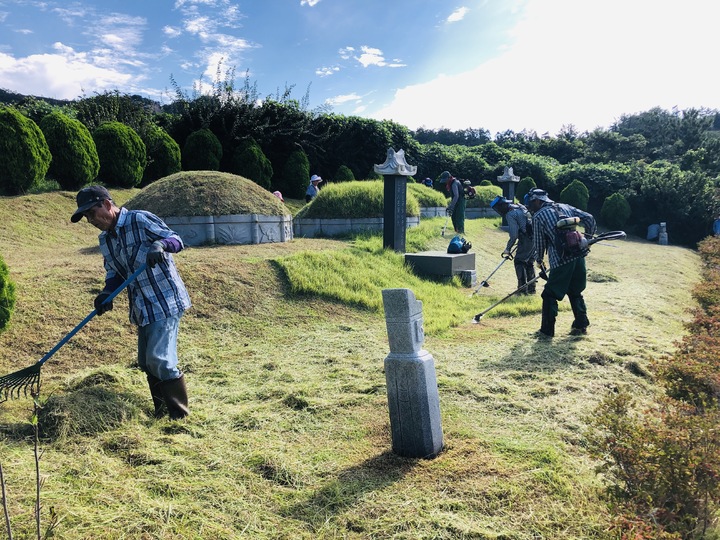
[206,193]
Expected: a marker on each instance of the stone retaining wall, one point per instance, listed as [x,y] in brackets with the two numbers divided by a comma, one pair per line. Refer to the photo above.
[232,229]
[333,227]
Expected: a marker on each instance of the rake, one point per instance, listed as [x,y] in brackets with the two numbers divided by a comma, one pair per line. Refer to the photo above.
[28,380]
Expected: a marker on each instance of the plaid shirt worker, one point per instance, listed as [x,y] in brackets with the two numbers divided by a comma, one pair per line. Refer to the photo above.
[544,222]
[158,293]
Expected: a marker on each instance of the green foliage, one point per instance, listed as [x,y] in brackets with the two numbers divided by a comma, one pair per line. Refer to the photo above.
[250,161]
[602,180]
[542,169]
[575,194]
[615,211]
[425,196]
[121,153]
[24,153]
[163,155]
[483,196]
[485,183]
[684,200]
[356,199]
[133,111]
[343,174]
[7,295]
[524,185]
[75,159]
[665,461]
[202,151]
[296,175]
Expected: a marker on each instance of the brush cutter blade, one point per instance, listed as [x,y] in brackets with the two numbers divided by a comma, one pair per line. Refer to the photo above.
[21,382]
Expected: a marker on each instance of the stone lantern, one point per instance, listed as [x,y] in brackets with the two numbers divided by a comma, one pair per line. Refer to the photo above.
[507,181]
[395,172]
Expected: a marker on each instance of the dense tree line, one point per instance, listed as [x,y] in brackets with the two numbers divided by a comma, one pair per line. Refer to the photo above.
[665,164]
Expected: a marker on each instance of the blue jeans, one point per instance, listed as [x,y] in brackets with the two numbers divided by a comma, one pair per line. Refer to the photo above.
[157,348]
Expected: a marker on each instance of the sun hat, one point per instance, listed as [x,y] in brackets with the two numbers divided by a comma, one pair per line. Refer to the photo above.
[278,195]
[315,178]
[538,194]
[87,198]
[445,175]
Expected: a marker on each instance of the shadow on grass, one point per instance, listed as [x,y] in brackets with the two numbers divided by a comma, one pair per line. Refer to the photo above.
[350,486]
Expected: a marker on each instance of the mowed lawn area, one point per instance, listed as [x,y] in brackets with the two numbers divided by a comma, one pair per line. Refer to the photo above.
[289,435]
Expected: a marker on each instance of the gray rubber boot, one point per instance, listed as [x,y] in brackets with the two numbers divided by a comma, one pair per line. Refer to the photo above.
[157,396]
[176,399]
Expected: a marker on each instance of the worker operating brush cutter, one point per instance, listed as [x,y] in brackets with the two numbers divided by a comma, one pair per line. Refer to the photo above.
[543,274]
[519,223]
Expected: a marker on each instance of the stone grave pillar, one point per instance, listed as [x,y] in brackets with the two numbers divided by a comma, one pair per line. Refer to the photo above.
[663,236]
[413,400]
[395,172]
[507,181]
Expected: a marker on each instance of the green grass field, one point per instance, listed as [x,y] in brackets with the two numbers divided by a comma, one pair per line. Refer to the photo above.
[289,433]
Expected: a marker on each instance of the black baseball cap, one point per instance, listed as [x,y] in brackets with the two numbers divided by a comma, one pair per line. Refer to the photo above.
[87,198]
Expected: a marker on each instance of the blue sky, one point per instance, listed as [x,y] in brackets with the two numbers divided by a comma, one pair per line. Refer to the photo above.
[493,64]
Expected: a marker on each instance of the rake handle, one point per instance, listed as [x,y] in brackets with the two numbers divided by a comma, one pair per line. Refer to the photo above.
[86,320]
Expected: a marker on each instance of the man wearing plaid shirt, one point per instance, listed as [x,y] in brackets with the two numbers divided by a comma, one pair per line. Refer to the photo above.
[158,297]
[568,274]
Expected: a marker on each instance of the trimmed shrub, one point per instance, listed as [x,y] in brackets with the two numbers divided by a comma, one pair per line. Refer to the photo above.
[75,159]
[122,155]
[163,155]
[576,194]
[426,198]
[357,199]
[485,183]
[344,174]
[296,175]
[7,295]
[525,185]
[615,211]
[250,162]
[202,151]
[24,153]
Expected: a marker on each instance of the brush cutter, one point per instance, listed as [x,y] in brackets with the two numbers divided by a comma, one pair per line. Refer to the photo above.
[28,379]
[445,226]
[484,282]
[477,317]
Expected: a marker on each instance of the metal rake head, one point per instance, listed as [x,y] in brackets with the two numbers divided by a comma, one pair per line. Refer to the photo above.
[26,381]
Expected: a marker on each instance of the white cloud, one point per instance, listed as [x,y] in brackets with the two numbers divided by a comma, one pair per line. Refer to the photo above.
[345,98]
[171,31]
[576,63]
[374,57]
[326,71]
[346,52]
[457,15]
[63,75]
[310,3]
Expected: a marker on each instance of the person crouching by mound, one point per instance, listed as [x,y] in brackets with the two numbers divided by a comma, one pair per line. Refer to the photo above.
[313,188]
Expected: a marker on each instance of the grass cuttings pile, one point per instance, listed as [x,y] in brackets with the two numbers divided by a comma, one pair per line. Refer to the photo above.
[206,193]
[92,404]
[358,199]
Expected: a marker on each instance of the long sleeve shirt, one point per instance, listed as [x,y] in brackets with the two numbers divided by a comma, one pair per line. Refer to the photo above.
[157,293]
[544,222]
[456,191]
[517,221]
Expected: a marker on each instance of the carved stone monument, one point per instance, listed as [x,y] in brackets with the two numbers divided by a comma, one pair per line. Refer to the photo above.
[413,400]
[395,171]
